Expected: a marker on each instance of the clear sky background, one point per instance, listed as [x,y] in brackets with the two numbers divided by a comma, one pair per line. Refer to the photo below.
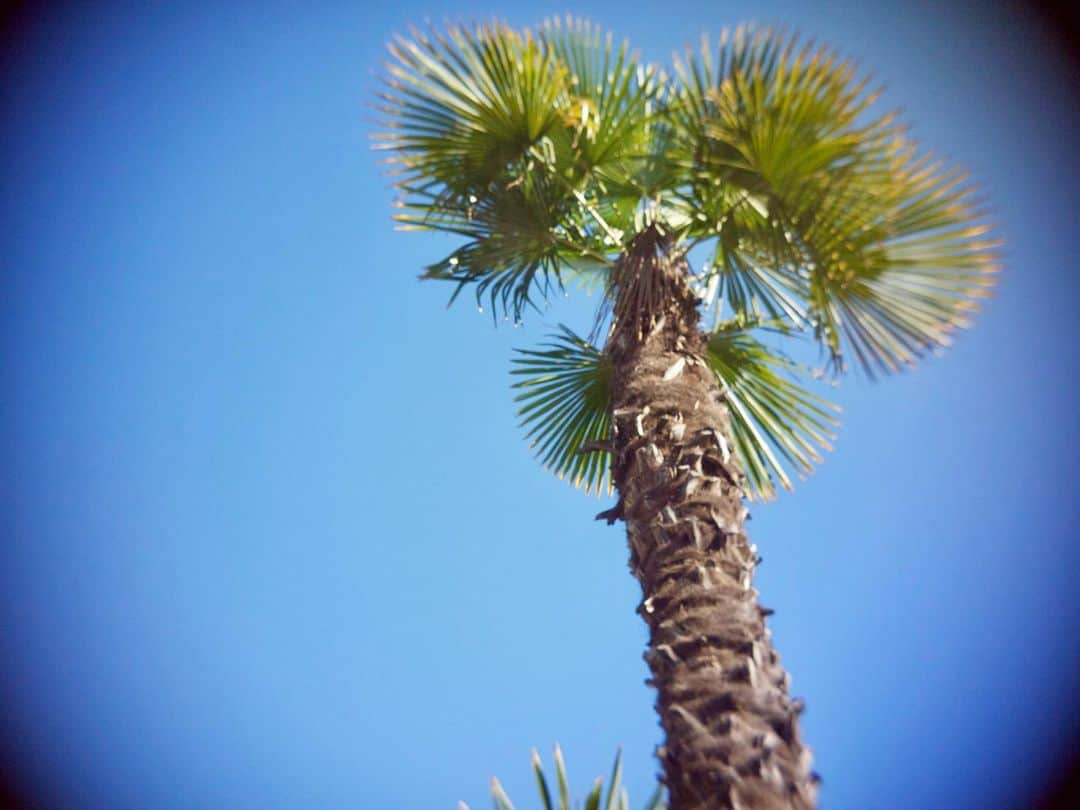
[271,537]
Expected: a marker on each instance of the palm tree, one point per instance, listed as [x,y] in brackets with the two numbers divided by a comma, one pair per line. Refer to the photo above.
[749,198]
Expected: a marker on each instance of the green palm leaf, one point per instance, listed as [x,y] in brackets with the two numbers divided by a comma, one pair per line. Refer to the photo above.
[616,796]
[542,785]
[776,424]
[513,251]
[899,260]
[564,406]
[560,772]
[465,105]
[618,799]
[823,215]
[469,114]
[614,120]
[534,147]
[498,795]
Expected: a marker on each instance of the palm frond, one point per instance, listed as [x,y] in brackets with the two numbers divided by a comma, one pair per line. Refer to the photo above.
[468,114]
[898,259]
[464,105]
[758,117]
[564,407]
[617,796]
[613,120]
[823,214]
[513,253]
[777,425]
[533,147]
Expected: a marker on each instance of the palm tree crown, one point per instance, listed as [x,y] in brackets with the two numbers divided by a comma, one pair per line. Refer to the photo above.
[557,156]
[547,151]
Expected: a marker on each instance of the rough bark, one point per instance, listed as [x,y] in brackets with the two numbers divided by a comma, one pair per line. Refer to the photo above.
[732,738]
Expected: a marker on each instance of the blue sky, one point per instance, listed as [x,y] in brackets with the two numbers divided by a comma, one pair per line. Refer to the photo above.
[273,538]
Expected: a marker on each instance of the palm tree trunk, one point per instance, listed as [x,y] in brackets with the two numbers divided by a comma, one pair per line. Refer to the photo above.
[731,728]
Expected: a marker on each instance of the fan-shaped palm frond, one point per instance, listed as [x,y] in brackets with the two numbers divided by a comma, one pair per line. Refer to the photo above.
[564,405]
[822,215]
[534,147]
[538,148]
[613,120]
[514,251]
[469,113]
[776,423]
[617,796]
[464,106]
[898,259]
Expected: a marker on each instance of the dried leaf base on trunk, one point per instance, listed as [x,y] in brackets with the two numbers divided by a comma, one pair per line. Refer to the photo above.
[732,731]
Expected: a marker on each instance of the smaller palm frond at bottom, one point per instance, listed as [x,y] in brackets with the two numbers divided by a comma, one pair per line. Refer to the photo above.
[776,423]
[617,797]
[564,406]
